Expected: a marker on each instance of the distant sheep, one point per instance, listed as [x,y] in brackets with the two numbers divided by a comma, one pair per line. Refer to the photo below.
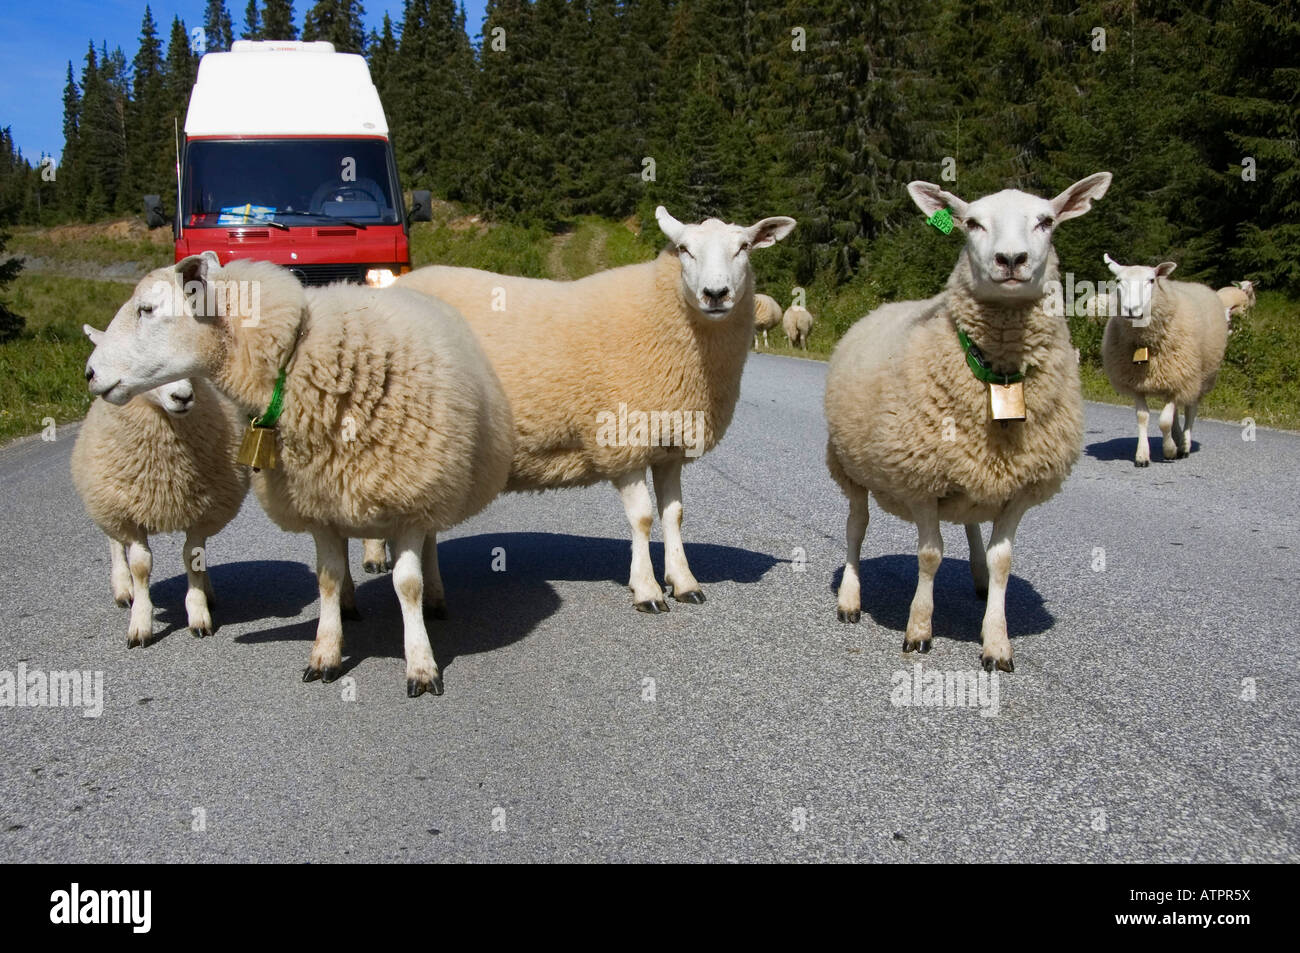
[921,402]
[161,463]
[394,425]
[798,322]
[1237,298]
[626,369]
[767,315]
[1167,341]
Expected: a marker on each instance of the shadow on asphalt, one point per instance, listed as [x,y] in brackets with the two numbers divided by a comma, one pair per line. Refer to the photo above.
[487,610]
[1125,448]
[245,592]
[888,583]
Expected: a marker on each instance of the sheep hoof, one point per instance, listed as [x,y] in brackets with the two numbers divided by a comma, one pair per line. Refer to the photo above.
[330,672]
[373,567]
[1183,455]
[1141,463]
[310,674]
[852,617]
[134,640]
[437,609]
[694,597]
[200,631]
[1003,665]
[351,613]
[916,645]
[123,601]
[415,687]
[652,606]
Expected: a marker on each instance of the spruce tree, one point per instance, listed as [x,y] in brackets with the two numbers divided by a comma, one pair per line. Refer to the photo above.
[218,31]
[277,20]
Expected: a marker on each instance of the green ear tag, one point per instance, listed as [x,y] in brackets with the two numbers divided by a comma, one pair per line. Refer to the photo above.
[941,220]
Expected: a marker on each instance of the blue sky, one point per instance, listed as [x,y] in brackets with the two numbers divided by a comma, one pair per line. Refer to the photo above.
[38,38]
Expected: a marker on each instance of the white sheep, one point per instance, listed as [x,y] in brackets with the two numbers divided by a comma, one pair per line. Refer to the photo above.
[161,463]
[1237,298]
[625,369]
[921,401]
[767,315]
[1166,341]
[394,425]
[798,322]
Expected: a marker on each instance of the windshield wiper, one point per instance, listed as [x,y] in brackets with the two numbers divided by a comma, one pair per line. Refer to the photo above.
[329,218]
[254,219]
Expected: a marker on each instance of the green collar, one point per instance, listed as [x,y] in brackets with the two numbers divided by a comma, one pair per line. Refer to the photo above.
[979,365]
[272,414]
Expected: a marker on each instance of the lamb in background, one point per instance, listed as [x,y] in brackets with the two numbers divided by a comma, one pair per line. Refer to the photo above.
[394,425]
[912,407]
[163,462]
[767,315]
[1167,341]
[1237,298]
[798,322]
[666,337]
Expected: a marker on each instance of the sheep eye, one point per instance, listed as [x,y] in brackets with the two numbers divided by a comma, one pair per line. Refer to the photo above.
[683,250]
[1046,222]
[744,246]
[974,225]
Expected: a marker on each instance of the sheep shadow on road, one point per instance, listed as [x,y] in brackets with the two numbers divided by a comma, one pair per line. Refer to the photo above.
[1125,448]
[889,582]
[245,592]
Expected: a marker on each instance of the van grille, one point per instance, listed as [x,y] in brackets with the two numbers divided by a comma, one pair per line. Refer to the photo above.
[328,274]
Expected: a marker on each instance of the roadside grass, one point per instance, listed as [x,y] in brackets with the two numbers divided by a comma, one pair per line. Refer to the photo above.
[42,371]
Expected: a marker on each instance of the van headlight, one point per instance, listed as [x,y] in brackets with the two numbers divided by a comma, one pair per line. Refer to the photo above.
[380,277]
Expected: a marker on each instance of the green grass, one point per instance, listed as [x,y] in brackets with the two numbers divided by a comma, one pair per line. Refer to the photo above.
[42,371]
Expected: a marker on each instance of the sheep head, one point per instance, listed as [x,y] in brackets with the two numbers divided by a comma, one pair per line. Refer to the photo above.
[715,258]
[1135,285]
[161,335]
[1009,233]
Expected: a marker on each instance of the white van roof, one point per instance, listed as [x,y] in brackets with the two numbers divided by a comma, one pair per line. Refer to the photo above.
[278,87]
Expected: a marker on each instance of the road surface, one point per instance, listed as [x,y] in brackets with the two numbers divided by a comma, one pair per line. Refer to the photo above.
[1152,714]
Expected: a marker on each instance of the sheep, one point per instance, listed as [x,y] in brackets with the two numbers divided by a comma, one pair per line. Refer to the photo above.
[162,463]
[798,322]
[1237,298]
[625,369]
[910,422]
[1167,340]
[767,315]
[394,425]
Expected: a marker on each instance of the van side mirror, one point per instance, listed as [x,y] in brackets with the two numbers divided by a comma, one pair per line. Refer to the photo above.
[421,206]
[154,216]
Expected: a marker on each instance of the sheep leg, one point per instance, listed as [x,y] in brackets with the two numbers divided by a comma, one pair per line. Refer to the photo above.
[1168,421]
[120,574]
[435,598]
[1143,457]
[646,594]
[979,566]
[140,561]
[929,555]
[375,556]
[677,573]
[1186,446]
[331,568]
[849,601]
[197,611]
[422,673]
[997,647]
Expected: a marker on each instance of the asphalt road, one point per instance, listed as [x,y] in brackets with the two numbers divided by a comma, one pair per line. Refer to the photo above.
[768,732]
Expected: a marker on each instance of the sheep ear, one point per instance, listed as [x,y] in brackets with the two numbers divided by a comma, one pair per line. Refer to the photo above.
[1111,263]
[96,336]
[1077,199]
[770,230]
[929,198]
[195,267]
[668,225]
[1165,269]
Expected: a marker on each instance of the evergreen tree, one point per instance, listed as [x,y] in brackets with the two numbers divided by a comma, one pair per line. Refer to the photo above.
[277,20]
[218,31]
[338,22]
[71,197]
[252,22]
[147,130]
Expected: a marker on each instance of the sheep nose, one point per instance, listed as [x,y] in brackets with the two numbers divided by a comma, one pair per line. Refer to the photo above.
[184,399]
[1011,261]
[90,374]
[716,294]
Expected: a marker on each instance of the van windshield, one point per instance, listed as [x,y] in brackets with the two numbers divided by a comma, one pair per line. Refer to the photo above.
[290,181]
